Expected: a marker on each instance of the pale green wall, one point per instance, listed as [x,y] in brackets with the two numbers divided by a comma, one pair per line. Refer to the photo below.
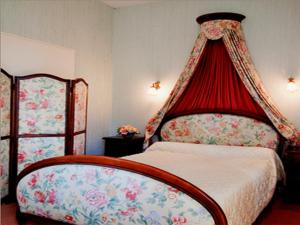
[86,27]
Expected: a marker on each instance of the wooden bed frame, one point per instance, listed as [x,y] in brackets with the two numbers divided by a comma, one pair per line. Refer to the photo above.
[197,194]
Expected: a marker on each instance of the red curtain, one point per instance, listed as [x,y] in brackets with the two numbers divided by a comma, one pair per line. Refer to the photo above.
[215,87]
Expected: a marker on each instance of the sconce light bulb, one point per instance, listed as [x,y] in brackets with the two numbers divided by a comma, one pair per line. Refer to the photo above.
[291,86]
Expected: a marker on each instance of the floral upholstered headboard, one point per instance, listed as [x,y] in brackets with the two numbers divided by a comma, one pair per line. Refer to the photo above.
[220,129]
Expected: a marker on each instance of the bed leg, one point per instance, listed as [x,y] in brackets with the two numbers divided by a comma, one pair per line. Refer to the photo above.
[20,217]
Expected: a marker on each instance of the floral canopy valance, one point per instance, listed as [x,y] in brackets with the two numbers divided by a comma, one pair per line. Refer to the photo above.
[226,26]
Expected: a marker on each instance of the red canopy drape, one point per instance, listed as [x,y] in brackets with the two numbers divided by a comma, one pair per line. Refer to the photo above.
[215,86]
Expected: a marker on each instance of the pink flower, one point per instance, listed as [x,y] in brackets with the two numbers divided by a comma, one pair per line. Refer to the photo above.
[31,105]
[30,122]
[179,220]
[44,104]
[39,152]
[234,124]
[32,182]
[21,157]
[218,115]
[51,197]
[131,195]
[178,133]
[69,218]
[132,189]
[42,91]
[128,212]
[95,198]
[165,135]
[58,116]
[50,177]
[39,196]
[21,197]
[109,171]
[172,125]
[1,102]
[62,90]
[22,95]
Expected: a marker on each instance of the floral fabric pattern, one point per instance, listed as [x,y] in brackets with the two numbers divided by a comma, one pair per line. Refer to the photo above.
[79,144]
[32,150]
[220,129]
[233,37]
[81,91]
[4,166]
[87,194]
[42,106]
[5,98]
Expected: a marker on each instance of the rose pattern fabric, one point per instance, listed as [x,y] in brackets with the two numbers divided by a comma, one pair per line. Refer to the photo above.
[4,166]
[232,34]
[220,129]
[42,106]
[80,106]
[87,194]
[5,97]
[31,150]
[79,144]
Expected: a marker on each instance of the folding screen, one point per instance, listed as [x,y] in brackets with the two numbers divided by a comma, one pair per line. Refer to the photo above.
[42,116]
[80,95]
[42,111]
[6,84]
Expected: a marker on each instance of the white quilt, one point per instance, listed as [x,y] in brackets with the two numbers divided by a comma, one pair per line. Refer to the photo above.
[241,180]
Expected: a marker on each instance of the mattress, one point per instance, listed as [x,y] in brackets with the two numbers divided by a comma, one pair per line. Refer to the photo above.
[241,180]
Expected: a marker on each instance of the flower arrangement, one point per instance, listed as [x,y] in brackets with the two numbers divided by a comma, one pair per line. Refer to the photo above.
[127,131]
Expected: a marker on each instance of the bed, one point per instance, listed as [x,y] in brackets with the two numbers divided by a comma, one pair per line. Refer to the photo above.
[207,169]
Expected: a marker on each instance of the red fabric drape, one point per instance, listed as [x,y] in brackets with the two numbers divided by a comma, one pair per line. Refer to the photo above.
[216,87]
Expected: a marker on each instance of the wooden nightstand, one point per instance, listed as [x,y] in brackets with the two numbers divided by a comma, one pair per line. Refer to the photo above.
[118,146]
[292,169]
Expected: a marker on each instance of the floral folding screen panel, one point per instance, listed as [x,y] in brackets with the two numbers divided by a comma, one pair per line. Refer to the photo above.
[80,98]
[42,102]
[42,106]
[5,130]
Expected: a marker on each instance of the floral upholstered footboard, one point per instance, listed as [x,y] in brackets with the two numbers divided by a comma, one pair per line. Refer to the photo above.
[117,192]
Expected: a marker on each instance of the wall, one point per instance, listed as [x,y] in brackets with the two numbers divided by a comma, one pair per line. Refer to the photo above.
[86,27]
[22,56]
[152,42]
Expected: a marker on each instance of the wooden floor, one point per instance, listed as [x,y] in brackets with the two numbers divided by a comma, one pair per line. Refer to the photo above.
[278,213]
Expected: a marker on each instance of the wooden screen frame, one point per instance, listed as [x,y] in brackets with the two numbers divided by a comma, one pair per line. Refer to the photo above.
[10,136]
[72,116]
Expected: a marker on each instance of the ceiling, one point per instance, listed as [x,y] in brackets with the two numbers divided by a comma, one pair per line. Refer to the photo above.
[125,3]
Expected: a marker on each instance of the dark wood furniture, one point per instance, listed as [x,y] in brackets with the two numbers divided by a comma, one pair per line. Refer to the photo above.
[292,168]
[118,146]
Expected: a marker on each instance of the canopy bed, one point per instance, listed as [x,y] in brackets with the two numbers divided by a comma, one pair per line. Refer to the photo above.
[216,162]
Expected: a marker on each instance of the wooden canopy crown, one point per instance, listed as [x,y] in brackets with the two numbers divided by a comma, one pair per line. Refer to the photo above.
[220,16]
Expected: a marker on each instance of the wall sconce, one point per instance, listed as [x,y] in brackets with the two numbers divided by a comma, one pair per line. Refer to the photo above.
[291,86]
[154,88]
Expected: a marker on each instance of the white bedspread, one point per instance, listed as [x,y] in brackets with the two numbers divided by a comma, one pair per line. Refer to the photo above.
[241,180]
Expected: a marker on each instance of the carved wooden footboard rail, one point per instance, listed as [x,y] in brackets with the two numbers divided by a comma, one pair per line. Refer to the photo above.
[96,189]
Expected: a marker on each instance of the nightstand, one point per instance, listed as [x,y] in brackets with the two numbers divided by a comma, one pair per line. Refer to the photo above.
[118,146]
[292,169]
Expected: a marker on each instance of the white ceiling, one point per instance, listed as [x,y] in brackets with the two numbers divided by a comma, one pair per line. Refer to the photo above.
[124,3]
